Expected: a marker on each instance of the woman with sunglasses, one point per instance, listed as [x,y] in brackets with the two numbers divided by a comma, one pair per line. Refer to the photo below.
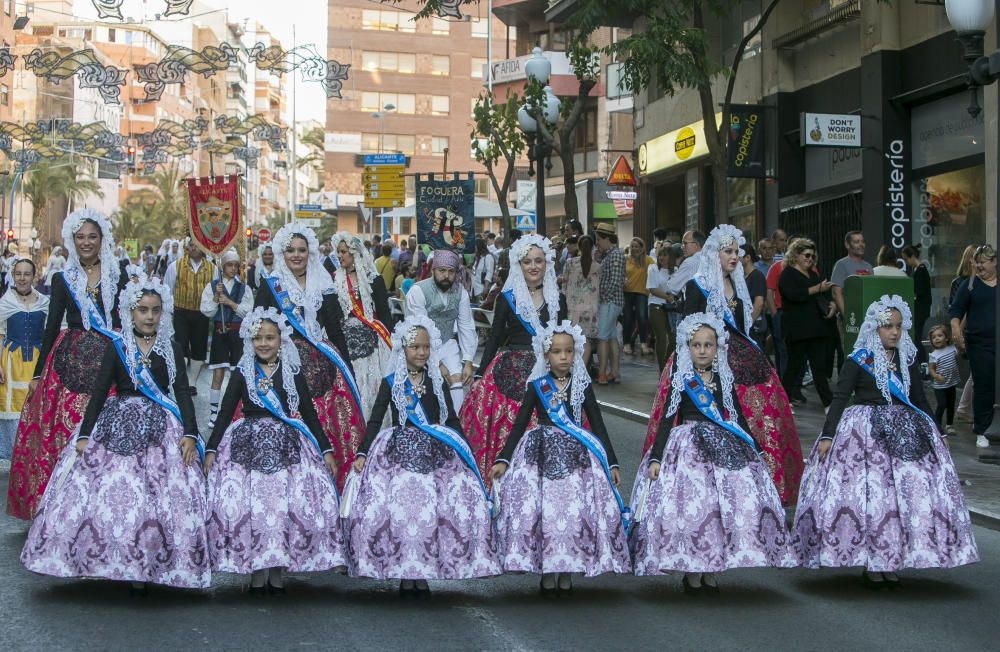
[976,304]
[805,306]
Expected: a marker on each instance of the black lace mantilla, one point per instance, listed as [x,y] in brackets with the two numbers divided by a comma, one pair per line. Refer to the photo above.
[319,372]
[510,373]
[361,340]
[554,452]
[77,360]
[723,449]
[128,426]
[265,445]
[903,433]
[417,452]
[750,366]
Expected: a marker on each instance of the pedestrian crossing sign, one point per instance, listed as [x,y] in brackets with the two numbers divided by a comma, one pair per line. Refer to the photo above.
[525,222]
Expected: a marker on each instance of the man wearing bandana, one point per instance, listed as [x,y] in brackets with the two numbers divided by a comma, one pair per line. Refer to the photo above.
[444,299]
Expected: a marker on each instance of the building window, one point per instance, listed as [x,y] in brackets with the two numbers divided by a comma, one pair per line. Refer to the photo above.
[441,64]
[4,95]
[438,145]
[440,26]
[373,101]
[479,28]
[390,143]
[586,132]
[387,21]
[482,187]
[478,65]
[440,104]
[111,35]
[8,7]
[389,61]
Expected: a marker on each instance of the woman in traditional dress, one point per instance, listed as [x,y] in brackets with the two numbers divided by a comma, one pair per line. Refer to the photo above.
[272,502]
[703,498]
[22,323]
[880,490]
[55,264]
[85,293]
[127,499]
[719,288]
[560,512]
[365,304]
[421,510]
[303,291]
[529,300]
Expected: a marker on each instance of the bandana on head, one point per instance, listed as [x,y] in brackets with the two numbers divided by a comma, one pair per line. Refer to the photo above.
[288,355]
[129,298]
[402,336]
[448,259]
[879,314]
[684,367]
[230,256]
[73,273]
[710,277]
[579,378]
[515,280]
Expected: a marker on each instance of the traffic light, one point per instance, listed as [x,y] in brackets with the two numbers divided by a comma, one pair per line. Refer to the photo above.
[10,235]
[130,158]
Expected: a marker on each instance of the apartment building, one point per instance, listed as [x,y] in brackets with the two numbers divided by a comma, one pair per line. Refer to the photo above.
[8,14]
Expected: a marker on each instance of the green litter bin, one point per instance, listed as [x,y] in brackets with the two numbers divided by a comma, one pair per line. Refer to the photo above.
[861,292]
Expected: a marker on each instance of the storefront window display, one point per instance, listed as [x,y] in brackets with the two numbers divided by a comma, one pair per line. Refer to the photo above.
[743,206]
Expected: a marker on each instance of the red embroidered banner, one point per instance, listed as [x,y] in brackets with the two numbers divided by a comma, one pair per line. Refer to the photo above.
[214,212]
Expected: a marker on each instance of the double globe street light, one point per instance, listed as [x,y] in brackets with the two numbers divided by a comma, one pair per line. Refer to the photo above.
[970,19]
[538,69]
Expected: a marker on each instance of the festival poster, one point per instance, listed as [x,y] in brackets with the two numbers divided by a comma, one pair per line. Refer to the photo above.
[214,219]
[446,213]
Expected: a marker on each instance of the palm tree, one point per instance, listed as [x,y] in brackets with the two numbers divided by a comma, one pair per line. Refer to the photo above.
[170,200]
[53,186]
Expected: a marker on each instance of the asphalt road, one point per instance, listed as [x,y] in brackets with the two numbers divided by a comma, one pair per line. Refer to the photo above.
[756,610]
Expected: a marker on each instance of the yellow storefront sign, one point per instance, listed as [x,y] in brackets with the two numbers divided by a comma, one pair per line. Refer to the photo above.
[674,148]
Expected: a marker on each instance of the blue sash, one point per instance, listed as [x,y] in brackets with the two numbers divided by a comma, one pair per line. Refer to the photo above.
[509,296]
[287,307]
[147,385]
[727,317]
[415,414]
[272,403]
[861,356]
[97,321]
[705,402]
[556,410]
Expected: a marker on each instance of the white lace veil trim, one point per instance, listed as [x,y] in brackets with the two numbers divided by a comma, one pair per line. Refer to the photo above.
[364,265]
[127,301]
[318,281]
[288,355]
[76,278]
[258,264]
[402,334]
[684,368]
[709,274]
[515,280]
[878,315]
[579,378]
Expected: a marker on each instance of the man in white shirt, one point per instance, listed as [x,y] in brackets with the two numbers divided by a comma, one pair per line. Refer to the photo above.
[691,244]
[444,299]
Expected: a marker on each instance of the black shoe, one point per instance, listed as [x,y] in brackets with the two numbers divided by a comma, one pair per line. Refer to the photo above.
[546,591]
[275,590]
[139,591]
[690,589]
[892,583]
[872,584]
[798,400]
[256,590]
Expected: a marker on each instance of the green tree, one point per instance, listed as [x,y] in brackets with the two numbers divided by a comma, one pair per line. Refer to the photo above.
[154,213]
[54,186]
[497,138]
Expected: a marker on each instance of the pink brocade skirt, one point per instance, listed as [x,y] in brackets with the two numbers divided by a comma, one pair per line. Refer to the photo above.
[765,406]
[49,418]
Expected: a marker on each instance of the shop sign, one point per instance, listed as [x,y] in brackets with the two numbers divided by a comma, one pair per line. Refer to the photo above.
[621,174]
[830,130]
[674,148]
[621,194]
[943,131]
[745,152]
[896,188]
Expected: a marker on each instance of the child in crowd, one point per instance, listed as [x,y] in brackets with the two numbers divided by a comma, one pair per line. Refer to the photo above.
[945,376]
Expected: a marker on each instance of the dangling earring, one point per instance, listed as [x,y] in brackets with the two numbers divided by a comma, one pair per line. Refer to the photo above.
[715,365]
[548,367]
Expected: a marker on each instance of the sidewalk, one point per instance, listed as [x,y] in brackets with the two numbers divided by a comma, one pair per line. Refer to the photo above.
[978,469]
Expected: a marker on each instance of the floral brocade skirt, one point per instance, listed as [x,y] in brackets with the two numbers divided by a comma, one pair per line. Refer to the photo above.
[765,407]
[51,415]
[489,409]
[886,497]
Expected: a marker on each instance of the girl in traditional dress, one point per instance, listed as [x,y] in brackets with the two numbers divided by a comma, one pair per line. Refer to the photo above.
[719,288]
[85,294]
[22,323]
[560,512]
[303,292]
[127,499]
[365,304]
[880,490]
[273,505]
[703,498]
[421,510]
[529,300]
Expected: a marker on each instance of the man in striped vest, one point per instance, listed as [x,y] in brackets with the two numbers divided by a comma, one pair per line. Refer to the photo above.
[187,278]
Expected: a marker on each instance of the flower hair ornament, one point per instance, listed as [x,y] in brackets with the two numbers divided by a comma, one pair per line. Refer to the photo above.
[364,266]
[402,336]
[9,276]
[129,298]
[709,275]
[522,294]
[288,355]
[684,367]
[73,274]
[579,378]
[879,314]
[318,281]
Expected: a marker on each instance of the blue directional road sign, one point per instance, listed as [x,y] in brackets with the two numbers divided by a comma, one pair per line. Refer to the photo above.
[385,159]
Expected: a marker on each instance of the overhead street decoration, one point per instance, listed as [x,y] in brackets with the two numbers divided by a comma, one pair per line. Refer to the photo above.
[82,63]
[55,138]
[262,130]
[6,61]
[178,60]
[330,73]
[109,9]
[178,7]
[450,9]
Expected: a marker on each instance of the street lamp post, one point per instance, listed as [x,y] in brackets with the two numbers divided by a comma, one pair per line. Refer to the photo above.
[970,19]
[538,69]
